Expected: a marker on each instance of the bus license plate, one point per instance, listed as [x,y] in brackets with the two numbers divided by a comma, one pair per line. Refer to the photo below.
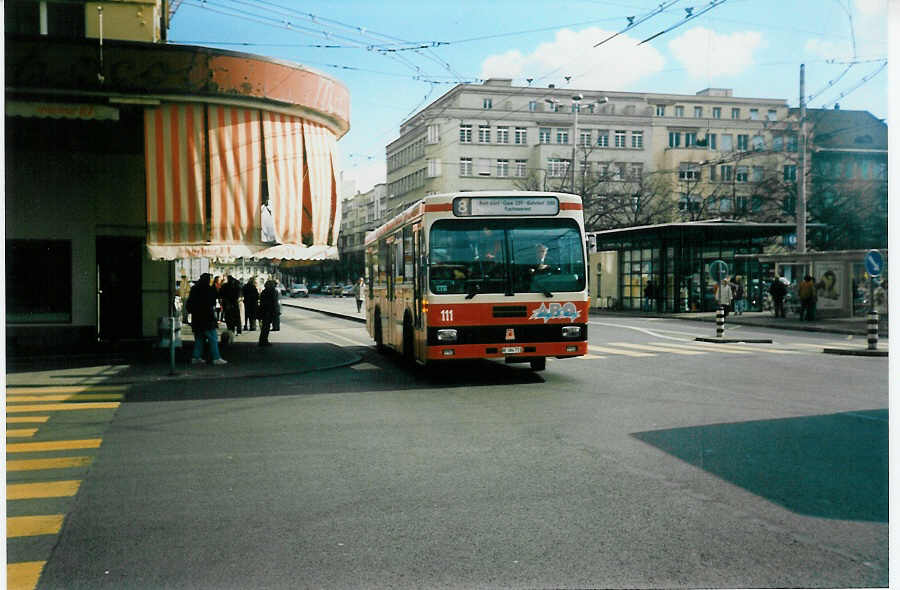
[512,349]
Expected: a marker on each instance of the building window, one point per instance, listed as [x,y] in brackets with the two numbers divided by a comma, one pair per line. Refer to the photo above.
[562,135]
[521,168]
[688,202]
[532,106]
[758,144]
[38,297]
[741,203]
[674,139]
[778,143]
[742,142]
[741,174]
[756,174]
[434,167]
[772,115]
[792,143]
[698,112]
[544,135]
[688,171]
[726,172]
[521,136]
[754,114]
[465,166]
[502,134]
[483,167]
[790,173]
[503,168]
[620,139]
[660,110]
[484,134]
[735,113]
[690,139]
[558,168]
[637,139]
[679,111]
[584,137]
[711,141]
[465,134]
[487,103]
[434,135]
[727,142]
[636,171]
[619,171]
[603,138]
[717,112]
[603,171]
[712,173]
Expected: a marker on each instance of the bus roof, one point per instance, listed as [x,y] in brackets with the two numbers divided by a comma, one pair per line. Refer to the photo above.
[419,207]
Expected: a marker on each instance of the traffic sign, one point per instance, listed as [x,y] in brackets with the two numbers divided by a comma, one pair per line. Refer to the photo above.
[718,269]
[874,263]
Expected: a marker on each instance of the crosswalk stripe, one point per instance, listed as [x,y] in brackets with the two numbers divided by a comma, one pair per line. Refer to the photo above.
[32,526]
[709,347]
[44,489]
[64,407]
[364,367]
[746,348]
[619,351]
[65,397]
[658,348]
[67,389]
[20,432]
[27,419]
[24,575]
[52,463]
[54,445]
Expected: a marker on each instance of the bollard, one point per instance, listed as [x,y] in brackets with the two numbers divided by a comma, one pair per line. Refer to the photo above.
[720,322]
[872,329]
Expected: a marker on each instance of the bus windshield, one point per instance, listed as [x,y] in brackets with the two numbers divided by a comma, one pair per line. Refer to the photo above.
[505,256]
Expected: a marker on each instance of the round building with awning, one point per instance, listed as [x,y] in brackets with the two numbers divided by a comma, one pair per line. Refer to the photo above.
[123,156]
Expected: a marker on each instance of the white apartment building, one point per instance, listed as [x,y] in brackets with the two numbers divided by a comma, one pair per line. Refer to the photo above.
[494,136]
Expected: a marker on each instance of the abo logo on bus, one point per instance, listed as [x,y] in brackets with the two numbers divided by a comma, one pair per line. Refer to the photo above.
[554,311]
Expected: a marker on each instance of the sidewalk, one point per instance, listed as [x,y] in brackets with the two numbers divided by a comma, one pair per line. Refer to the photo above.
[287,356]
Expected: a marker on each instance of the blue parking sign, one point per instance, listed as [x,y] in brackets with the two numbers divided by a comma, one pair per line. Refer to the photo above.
[874,263]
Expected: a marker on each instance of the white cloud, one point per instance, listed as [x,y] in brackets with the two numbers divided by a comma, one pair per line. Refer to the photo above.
[615,65]
[365,176]
[829,49]
[705,53]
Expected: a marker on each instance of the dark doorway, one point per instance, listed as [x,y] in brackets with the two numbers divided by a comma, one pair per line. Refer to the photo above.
[119,280]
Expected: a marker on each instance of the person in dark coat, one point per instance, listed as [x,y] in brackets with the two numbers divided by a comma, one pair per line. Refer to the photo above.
[202,302]
[251,304]
[268,310]
[778,290]
[231,294]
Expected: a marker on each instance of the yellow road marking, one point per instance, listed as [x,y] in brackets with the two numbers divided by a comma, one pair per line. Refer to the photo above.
[20,432]
[53,463]
[658,348]
[54,445]
[31,526]
[67,389]
[64,407]
[23,576]
[63,397]
[619,351]
[25,419]
[44,489]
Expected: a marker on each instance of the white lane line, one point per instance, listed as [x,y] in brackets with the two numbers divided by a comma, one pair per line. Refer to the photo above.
[619,351]
[657,348]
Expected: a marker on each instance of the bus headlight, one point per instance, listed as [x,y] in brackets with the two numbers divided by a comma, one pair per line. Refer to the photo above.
[446,335]
[571,331]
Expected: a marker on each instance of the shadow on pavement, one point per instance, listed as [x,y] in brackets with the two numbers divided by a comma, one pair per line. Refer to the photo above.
[830,466]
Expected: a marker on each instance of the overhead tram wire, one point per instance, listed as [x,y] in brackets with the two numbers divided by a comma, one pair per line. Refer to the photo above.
[690,16]
[632,23]
[855,87]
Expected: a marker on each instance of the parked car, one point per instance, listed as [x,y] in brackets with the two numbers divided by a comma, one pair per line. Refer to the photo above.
[299,290]
[333,289]
[347,290]
[282,290]
[315,288]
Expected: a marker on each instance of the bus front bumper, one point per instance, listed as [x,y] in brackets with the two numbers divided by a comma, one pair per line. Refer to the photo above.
[507,350]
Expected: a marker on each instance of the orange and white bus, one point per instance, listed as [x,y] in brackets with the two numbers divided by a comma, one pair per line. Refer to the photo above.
[488,274]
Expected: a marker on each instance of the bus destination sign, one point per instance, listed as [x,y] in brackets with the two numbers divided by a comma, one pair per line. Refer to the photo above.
[504,206]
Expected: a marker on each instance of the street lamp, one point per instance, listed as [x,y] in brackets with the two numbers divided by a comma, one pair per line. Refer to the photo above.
[576,107]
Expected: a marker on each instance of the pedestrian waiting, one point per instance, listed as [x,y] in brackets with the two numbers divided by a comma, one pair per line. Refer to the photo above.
[202,302]
[268,311]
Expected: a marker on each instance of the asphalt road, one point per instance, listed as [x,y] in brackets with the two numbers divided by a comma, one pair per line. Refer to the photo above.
[654,462]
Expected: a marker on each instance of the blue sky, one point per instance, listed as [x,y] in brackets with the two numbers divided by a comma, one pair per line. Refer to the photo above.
[397,56]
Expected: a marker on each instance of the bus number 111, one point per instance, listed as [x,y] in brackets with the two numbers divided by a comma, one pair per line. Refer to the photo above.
[446,315]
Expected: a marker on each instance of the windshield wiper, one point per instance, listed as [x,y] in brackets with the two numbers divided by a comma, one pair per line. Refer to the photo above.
[546,293]
[472,289]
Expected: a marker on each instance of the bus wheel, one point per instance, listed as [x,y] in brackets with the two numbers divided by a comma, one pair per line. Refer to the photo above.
[409,354]
[539,363]
[379,340]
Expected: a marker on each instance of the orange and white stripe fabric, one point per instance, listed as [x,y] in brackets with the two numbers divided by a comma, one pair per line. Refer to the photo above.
[284,172]
[320,166]
[175,158]
[235,176]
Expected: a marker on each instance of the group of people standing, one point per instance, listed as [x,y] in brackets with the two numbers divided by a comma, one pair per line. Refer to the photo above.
[730,294]
[211,293]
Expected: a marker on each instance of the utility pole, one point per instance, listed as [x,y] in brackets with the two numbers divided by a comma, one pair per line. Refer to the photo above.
[801,175]
[576,106]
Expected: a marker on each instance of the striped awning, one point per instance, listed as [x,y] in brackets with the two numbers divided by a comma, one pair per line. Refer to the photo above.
[214,173]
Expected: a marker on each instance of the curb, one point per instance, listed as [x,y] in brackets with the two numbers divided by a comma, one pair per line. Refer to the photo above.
[734,340]
[335,314]
[855,352]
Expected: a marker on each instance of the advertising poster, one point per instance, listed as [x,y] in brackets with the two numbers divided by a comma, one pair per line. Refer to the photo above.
[829,284]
